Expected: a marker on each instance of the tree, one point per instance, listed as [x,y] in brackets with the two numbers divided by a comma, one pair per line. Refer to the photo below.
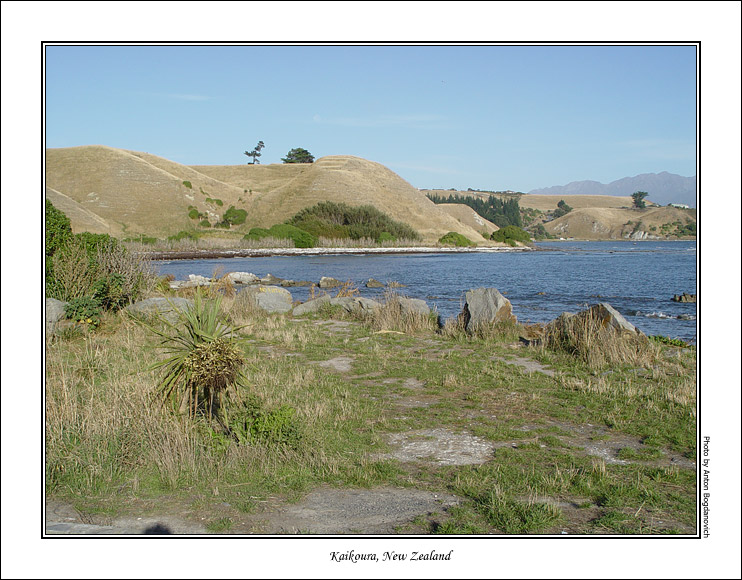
[255,153]
[562,209]
[638,197]
[298,155]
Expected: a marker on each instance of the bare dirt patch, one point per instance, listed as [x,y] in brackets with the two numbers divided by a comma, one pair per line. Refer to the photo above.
[352,511]
[439,446]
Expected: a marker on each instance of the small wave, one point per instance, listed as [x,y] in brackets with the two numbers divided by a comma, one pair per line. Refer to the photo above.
[662,315]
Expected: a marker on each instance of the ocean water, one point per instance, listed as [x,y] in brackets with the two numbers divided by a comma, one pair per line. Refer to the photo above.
[638,279]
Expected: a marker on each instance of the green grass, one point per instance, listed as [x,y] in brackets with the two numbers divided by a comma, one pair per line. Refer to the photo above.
[107,443]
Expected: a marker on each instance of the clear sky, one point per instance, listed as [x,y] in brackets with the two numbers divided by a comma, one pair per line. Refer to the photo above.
[490,117]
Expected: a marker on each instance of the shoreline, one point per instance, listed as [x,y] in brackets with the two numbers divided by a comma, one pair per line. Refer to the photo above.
[263,252]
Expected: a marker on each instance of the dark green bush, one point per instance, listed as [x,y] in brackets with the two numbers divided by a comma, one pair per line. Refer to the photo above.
[183,235]
[339,220]
[194,214]
[204,224]
[510,235]
[252,423]
[235,216]
[58,232]
[456,239]
[188,184]
[300,238]
[142,239]
[385,237]
[86,310]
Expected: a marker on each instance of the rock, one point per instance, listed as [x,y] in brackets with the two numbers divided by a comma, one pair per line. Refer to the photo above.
[684,297]
[603,312]
[367,305]
[292,283]
[413,306]
[269,298]
[54,313]
[326,282]
[348,303]
[485,306]
[168,308]
[270,279]
[243,278]
[196,280]
[373,283]
[311,305]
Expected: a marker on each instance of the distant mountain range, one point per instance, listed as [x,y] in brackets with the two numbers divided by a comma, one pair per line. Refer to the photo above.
[663,188]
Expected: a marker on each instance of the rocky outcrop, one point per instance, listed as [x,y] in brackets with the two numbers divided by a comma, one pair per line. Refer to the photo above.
[373,283]
[485,307]
[684,297]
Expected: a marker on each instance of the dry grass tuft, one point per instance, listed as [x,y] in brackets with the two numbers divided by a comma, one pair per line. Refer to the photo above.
[587,338]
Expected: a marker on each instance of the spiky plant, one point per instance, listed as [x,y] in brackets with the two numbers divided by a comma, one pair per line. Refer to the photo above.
[204,359]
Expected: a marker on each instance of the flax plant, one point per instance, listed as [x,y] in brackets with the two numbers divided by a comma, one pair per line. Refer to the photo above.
[204,359]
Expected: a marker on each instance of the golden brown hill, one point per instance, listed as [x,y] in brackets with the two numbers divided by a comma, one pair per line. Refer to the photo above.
[466,215]
[128,192]
[280,191]
[134,193]
[81,219]
[617,224]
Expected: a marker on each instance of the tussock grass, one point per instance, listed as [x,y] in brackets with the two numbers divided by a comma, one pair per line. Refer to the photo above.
[585,337]
[393,316]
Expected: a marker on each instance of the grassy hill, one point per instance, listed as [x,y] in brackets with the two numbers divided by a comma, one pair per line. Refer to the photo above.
[467,216]
[127,192]
[615,223]
[281,191]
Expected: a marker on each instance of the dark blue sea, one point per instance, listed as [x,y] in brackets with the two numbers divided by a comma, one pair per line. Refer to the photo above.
[638,279]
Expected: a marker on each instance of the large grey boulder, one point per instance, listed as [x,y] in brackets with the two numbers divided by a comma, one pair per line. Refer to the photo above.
[269,298]
[243,278]
[413,306]
[54,313]
[484,307]
[311,305]
[168,308]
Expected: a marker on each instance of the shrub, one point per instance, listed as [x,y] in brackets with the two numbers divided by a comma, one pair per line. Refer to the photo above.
[204,224]
[99,266]
[235,216]
[86,310]
[301,238]
[183,235]
[338,220]
[194,214]
[510,235]
[385,237]
[204,359]
[188,184]
[455,239]
[142,239]
[251,423]
[58,232]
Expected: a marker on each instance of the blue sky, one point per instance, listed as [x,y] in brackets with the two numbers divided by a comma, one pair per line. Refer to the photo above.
[489,117]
